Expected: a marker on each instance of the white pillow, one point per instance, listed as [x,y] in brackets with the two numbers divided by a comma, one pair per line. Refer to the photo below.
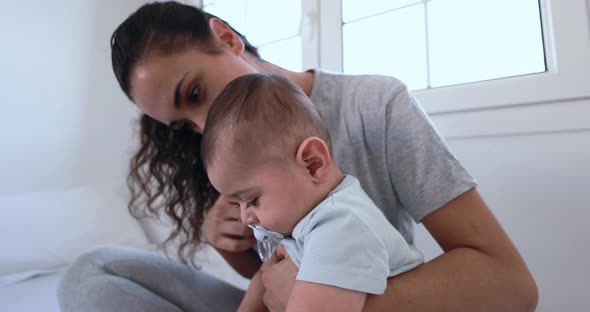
[44,230]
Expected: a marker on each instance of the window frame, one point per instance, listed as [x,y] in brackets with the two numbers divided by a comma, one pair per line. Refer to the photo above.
[566,35]
[566,38]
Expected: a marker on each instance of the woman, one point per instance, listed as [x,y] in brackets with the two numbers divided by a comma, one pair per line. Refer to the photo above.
[172,60]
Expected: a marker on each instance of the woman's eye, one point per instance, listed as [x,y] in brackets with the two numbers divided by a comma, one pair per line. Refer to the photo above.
[252,203]
[193,95]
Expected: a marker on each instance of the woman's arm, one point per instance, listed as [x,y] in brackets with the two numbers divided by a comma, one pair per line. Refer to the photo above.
[307,297]
[480,269]
[252,301]
[246,263]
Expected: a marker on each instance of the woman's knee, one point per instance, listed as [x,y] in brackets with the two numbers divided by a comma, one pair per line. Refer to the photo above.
[89,266]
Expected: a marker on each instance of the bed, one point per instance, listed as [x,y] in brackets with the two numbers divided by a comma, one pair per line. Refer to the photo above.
[35,294]
[43,232]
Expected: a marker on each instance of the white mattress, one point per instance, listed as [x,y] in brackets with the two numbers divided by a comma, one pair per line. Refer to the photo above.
[39,293]
[35,294]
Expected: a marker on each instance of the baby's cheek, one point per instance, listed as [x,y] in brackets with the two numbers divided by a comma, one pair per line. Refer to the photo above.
[275,222]
[273,225]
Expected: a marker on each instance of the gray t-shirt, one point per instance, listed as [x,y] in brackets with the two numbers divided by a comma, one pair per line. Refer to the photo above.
[381,136]
[346,242]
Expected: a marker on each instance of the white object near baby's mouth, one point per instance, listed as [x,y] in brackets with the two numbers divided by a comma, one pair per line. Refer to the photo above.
[261,233]
[267,241]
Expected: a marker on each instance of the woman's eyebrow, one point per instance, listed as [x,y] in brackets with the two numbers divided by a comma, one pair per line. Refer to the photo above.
[177,91]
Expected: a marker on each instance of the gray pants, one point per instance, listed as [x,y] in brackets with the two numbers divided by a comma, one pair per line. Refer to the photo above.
[124,279]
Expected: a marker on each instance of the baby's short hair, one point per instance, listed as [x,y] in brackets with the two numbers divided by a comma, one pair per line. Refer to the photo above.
[260,116]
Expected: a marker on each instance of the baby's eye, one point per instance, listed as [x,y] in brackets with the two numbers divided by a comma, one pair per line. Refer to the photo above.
[177,124]
[183,124]
[193,95]
[252,203]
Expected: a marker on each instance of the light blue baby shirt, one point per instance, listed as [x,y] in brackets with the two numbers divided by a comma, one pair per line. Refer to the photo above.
[347,242]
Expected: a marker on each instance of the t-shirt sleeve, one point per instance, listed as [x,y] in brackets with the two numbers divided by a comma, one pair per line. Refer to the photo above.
[357,260]
[424,172]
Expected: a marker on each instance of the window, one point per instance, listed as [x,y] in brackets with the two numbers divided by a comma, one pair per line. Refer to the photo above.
[455,54]
[391,43]
[270,25]
[551,62]
[442,42]
[481,40]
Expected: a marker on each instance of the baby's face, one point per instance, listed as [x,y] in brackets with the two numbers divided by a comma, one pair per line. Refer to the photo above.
[270,194]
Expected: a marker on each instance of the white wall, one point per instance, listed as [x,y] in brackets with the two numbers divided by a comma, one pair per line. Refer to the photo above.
[64,122]
[63,119]
[533,166]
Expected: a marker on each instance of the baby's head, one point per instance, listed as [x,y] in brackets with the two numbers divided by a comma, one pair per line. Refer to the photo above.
[266,148]
[259,117]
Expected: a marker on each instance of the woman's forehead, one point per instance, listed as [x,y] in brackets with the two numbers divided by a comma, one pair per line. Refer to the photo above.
[152,90]
[164,72]
[174,61]
[160,66]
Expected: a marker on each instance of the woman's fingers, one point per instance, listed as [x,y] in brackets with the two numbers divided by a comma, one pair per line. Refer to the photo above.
[235,245]
[223,229]
[281,252]
[278,277]
[279,255]
[235,228]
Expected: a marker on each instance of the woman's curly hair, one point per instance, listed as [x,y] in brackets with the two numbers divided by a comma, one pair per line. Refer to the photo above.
[166,174]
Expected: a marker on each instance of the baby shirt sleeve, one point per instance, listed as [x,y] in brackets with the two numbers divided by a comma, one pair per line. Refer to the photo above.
[341,250]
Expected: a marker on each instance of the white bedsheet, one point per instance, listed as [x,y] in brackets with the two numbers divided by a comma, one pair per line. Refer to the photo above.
[38,293]
[31,295]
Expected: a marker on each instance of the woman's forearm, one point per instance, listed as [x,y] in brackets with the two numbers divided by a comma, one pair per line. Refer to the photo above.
[481,269]
[252,301]
[246,263]
[463,279]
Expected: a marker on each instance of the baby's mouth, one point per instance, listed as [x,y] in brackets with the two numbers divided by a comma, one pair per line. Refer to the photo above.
[266,241]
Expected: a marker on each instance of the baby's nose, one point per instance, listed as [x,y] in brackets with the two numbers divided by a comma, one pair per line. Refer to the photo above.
[248,217]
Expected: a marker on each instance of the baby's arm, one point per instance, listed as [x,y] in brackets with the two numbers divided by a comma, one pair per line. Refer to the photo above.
[308,296]
[252,301]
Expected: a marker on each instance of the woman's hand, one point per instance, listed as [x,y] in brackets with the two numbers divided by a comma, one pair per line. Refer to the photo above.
[252,301]
[278,278]
[232,239]
[224,230]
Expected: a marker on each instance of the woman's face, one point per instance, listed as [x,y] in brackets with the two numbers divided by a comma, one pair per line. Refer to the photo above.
[178,89]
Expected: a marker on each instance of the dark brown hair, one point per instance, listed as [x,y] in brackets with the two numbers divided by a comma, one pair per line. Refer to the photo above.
[166,174]
[260,114]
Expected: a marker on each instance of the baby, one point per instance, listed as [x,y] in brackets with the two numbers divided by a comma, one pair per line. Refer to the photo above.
[267,150]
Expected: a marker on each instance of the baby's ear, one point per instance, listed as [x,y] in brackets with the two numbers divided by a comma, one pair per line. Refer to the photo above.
[313,154]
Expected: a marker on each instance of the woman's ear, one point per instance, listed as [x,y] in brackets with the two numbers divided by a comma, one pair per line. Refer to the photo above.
[225,36]
[313,155]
